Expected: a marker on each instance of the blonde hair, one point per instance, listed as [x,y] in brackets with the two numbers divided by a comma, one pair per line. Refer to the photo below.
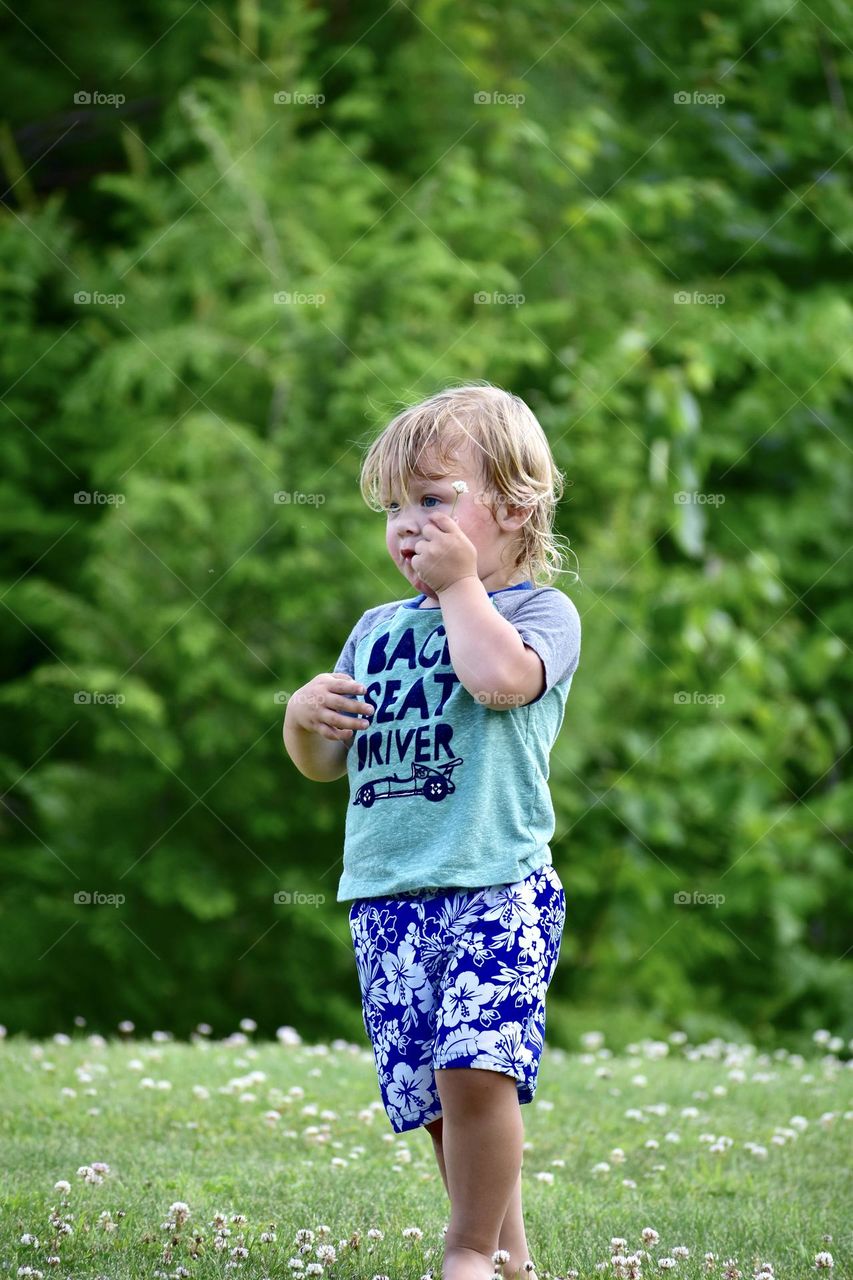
[516,463]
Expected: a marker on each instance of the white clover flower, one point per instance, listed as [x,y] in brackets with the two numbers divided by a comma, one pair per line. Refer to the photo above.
[459,487]
[823,1261]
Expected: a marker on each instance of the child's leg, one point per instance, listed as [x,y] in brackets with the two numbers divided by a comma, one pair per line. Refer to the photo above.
[482,1144]
[512,1236]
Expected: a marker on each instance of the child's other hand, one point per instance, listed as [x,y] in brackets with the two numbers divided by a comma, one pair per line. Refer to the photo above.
[319,705]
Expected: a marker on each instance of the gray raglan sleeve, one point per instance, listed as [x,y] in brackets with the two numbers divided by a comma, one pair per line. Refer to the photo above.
[346,661]
[549,622]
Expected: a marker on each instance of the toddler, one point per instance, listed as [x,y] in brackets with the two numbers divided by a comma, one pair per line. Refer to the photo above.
[444,723]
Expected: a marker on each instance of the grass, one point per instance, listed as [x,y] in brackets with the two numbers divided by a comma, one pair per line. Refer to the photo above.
[254,1130]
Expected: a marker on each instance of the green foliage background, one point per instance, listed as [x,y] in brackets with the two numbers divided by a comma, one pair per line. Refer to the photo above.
[203,602]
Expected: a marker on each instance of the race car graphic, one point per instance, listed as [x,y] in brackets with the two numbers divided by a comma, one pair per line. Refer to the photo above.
[423,780]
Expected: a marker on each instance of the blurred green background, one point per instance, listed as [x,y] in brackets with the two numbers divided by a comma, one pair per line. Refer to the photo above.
[236,238]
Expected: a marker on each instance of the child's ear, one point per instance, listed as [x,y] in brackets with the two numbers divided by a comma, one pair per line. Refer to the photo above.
[512,517]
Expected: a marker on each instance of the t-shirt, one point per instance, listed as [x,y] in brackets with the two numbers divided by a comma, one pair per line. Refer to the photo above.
[446,791]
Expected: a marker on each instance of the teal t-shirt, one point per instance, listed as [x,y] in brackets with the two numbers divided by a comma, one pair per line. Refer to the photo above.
[445,791]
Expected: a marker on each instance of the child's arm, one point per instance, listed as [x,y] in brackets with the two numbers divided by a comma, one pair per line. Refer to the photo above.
[488,655]
[315,730]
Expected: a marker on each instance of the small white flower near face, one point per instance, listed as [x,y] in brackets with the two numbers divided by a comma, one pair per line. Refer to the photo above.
[458,486]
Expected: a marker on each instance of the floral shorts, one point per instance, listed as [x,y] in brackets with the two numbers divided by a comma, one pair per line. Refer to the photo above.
[456,978]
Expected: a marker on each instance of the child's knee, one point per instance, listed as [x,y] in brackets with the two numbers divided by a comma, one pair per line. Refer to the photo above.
[466,1088]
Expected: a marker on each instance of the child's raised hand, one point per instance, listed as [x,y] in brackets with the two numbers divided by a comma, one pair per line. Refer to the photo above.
[319,705]
[443,553]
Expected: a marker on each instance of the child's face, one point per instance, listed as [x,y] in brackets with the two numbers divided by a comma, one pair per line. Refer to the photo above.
[489,536]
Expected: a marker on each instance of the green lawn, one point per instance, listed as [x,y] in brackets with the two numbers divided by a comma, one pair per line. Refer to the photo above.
[293,1137]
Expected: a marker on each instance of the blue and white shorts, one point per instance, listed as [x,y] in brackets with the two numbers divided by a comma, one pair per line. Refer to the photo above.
[456,978]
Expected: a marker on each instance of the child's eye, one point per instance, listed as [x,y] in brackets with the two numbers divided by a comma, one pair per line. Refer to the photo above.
[428,497]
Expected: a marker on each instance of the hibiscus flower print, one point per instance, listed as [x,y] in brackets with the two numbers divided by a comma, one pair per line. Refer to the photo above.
[465,999]
[381,929]
[531,944]
[504,1050]
[374,999]
[390,1041]
[514,905]
[403,974]
[409,1088]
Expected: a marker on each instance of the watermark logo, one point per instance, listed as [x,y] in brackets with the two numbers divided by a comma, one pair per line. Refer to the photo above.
[285,299]
[485,299]
[495,698]
[83,898]
[94,497]
[294,497]
[288,98]
[288,898]
[681,298]
[95,98]
[686,497]
[688,697]
[84,298]
[698,99]
[684,899]
[492,99]
[92,698]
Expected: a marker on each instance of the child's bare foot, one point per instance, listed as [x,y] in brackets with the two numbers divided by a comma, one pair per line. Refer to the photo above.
[507,1269]
[466,1264]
